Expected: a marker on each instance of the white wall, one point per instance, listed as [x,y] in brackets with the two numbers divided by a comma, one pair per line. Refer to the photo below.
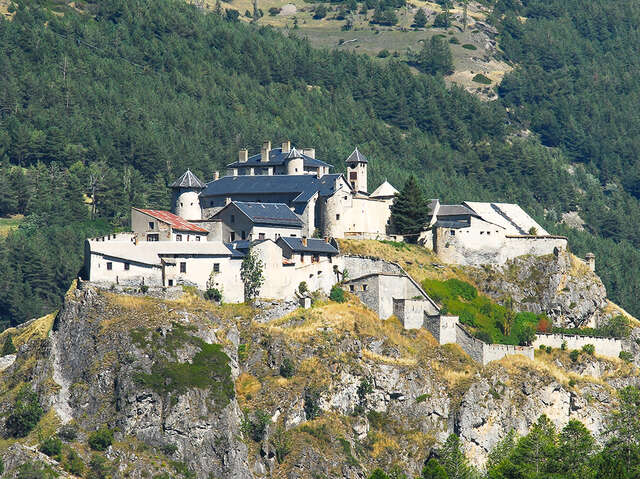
[137,274]
[610,347]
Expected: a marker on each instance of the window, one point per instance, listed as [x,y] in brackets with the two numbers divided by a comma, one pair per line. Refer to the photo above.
[453,232]
[352,288]
[153,237]
[330,258]
[244,235]
[232,236]
[353,175]
[277,235]
[315,258]
[216,267]
[178,237]
[337,217]
[197,238]
[109,265]
[261,236]
[293,235]
[210,203]
[127,266]
[170,282]
[233,218]
[151,225]
[364,287]
[183,267]
[302,257]
[188,236]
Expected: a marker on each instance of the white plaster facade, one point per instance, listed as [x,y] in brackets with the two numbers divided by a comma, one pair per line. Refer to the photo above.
[610,347]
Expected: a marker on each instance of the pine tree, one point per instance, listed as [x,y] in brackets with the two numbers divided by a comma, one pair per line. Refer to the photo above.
[8,347]
[453,460]
[575,448]
[409,213]
[420,19]
[433,470]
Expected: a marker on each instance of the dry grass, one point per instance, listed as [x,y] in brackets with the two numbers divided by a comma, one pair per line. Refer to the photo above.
[383,444]
[247,386]
[379,358]
[38,328]
[614,310]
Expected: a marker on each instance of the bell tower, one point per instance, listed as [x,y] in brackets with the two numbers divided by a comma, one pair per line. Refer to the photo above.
[185,199]
[357,171]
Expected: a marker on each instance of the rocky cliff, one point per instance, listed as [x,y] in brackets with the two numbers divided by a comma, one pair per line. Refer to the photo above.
[194,389]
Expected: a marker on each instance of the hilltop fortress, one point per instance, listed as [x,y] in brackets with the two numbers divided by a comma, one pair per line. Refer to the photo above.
[287,206]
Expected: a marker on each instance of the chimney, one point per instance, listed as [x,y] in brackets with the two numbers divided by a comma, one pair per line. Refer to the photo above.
[251,172]
[309,152]
[304,241]
[227,200]
[243,155]
[264,153]
[286,146]
[270,171]
[216,175]
[326,239]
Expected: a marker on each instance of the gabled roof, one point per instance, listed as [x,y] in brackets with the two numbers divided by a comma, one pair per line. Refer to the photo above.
[277,214]
[300,187]
[176,222]
[384,190]
[357,157]
[507,215]
[455,210]
[276,158]
[188,180]
[314,245]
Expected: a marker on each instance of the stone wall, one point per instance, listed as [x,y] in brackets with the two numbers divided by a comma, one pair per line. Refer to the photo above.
[412,312]
[358,266]
[493,352]
[604,346]
[470,345]
[443,328]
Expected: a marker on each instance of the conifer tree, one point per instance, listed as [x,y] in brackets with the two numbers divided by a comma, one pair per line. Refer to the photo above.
[453,460]
[420,19]
[433,470]
[575,449]
[8,347]
[409,213]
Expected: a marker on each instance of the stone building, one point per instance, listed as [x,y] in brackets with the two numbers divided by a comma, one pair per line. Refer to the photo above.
[257,221]
[486,233]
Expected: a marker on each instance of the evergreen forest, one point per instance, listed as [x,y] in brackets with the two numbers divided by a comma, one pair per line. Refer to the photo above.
[103,104]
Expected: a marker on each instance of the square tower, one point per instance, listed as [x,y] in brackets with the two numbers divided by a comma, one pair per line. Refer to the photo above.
[357,171]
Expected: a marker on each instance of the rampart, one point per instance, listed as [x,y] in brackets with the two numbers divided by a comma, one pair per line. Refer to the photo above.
[358,266]
[610,347]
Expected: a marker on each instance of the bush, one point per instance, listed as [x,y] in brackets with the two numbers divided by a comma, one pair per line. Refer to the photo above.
[549,349]
[169,449]
[526,335]
[273,11]
[574,355]
[337,294]
[454,41]
[8,347]
[563,346]
[35,470]
[144,288]
[281,443]
[99,467]
[311,403]
[287,368]
[320,12]
[256,426]
[213,294]
[589,349]
[101,439]
[68,432]
[626,356]
[442,20]
[483,336]
[461,289]
[73,463]
[480,78]
[468,46]
[302,287]
[572,382]
[383,53]
[232,15]
[52,446]
[25,414]
[543,347]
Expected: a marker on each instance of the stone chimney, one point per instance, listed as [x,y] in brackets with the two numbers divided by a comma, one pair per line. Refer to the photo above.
[243,155]
[264,153]
[309,152]
[216,175]
[286,146]
[227,200]
[591,261]
[304,241]
[326,239]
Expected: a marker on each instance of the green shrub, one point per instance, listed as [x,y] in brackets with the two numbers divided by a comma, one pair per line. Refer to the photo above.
[144,288]
[73,464]
[255,426]
[483,336]
[563,346]
[213,294]
[101,439]
[468,46]
[461,289]
[273,11]
[480,78]
[1,466]
[169,449]
[99,468]
[8,347]
[589,349]
[626,356]
[51,446]
[383,53]
[243,352]
[25,414]
[337,294]
[320,12]
[572,382]
[422,398]
[549,349]
[287,368]
[442,20]
[543,347]
[574,355]
[35,470]
[282,443]
[311,403]
[454,41]
[68,432]
[302,287]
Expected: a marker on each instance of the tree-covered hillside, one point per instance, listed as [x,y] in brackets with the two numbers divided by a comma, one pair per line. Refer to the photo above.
[100,107]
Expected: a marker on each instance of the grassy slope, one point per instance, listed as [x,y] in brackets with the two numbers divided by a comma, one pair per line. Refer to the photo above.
[8,224]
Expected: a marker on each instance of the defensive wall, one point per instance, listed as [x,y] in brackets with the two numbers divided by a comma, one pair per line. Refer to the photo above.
[358,266]
[610,347]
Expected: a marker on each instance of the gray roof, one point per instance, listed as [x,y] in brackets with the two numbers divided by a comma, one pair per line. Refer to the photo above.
[455,210]
[300,187]
[314,245]
[451,224]
[188,180]
[269,214]
[276,158]
[357,157]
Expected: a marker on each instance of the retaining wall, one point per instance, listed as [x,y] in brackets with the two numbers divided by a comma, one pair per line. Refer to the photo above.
[360,265]
[485,353]
[604,346]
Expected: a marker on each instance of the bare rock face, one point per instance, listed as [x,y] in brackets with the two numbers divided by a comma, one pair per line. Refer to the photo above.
[561,286]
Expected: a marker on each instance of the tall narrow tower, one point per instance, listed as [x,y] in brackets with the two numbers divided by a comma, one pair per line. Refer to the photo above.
[186,202]
[357,170]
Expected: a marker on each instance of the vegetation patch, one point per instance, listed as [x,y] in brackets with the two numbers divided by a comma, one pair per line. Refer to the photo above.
[482,79]
[469,46]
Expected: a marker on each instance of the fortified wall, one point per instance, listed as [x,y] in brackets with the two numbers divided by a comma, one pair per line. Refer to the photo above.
[358,266]
[610,347]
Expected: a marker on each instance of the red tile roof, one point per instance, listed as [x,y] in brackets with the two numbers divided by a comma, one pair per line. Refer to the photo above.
[174,220]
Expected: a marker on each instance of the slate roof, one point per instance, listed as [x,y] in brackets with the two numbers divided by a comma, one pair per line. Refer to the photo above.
[188,180]
[303,186]
[276,158]
[455,210]
[357,157]
[451,224]
[277,214]
[314,245]
[176,222]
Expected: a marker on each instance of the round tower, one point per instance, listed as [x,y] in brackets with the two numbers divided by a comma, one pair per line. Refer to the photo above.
[357,170]
[185,199]
[294,162]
